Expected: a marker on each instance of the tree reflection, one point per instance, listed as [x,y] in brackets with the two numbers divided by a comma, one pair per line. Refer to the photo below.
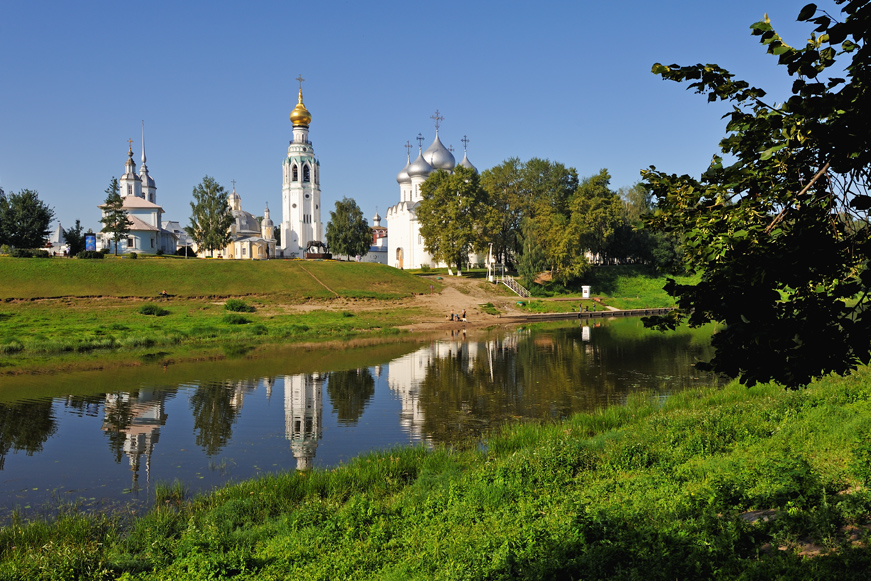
[216,407]
[549,374]
[350,392]
[25,427]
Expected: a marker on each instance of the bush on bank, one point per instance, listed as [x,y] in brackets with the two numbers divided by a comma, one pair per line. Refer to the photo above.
[726,484]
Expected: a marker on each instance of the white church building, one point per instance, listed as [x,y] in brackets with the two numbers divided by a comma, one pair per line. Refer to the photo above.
[139,194]
[405,246]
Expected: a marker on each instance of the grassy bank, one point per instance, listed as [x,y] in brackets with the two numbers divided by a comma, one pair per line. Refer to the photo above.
[623,287]
[33,279]
[726,484]
[112,306]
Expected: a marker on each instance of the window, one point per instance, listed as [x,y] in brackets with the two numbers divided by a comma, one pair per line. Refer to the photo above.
[152,242]
[130,242]
[129,189]
[306,174]
[295,171]
[244,251]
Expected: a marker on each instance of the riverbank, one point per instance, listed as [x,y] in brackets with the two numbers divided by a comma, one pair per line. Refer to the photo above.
[726,484]
[63,314]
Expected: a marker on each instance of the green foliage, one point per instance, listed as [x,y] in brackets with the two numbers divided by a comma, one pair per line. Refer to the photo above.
[75,238]
[28,253]
[115,220]
[236,319]
[450,215]
[153,310]
[780,236]
[348,232]
[132,255]
[238,306]
[24,219]
[90,254]
[210,216]
[159,252]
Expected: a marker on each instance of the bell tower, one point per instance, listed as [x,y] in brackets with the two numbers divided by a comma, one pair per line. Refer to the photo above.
[301,187]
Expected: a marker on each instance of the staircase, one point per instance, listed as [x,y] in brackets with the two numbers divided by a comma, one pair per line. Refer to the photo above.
[514,285]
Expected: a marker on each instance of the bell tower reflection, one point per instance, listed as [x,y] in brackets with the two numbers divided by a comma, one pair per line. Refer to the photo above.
[132,422]
[303,405]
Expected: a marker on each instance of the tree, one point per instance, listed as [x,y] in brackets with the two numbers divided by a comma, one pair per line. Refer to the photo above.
[348,232]
[210,216]
[450,215]
[115,219]
[24,219]
[780,236]
[75,238]
[506,206]
[596,212]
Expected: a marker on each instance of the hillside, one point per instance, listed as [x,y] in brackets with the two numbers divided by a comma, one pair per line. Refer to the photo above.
[35,278]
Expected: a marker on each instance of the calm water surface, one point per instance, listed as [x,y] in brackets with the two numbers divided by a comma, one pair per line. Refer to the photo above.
[103,439]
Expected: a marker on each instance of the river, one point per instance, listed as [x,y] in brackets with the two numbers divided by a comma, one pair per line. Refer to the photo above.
[102,439]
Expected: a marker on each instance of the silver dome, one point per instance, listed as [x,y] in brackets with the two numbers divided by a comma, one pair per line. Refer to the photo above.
[467,164]
[419,168]
[246,223]
[402,177]
[438,155]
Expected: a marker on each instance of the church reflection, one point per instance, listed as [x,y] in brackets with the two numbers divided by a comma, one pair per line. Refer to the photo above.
[303,409]
[132,421]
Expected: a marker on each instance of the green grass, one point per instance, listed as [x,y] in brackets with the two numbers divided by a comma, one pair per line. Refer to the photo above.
[100,306]
[654,489]
[623,287]
[30,279]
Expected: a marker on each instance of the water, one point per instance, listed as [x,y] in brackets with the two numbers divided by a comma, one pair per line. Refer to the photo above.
[102,439]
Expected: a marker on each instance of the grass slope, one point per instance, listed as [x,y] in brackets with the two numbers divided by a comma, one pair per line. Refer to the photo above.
[649,490]
[31,279]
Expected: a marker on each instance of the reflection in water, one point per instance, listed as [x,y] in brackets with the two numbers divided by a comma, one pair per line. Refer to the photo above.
[303,402]
[445,391]
[133,422]
[349,392]
[25,427]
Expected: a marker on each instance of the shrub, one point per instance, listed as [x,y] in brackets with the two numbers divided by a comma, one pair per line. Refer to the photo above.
[90,254]
[153,310]
[5,249]
[27,253]
[132,255]
[238,306]
[104,251]
[425,268]
[159,252]
[235,319]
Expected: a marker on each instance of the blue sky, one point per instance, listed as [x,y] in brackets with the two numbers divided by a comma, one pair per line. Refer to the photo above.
[214,83]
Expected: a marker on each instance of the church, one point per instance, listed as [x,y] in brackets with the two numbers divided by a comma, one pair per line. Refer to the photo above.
[405,246]
[139,194]
[301,188]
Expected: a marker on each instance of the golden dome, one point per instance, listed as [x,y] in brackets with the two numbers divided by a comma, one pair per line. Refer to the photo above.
[300,115]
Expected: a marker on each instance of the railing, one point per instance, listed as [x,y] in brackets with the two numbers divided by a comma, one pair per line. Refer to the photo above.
[514,285]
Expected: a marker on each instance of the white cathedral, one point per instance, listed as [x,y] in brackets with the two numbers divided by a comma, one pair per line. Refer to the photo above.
[405,244]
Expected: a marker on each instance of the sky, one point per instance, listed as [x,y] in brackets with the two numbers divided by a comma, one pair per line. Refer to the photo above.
[214,83]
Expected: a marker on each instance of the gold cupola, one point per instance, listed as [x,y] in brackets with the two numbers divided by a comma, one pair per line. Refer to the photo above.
[300,115]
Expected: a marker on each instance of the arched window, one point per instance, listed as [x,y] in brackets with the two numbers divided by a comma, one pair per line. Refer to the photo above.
[295,172]
[306,173]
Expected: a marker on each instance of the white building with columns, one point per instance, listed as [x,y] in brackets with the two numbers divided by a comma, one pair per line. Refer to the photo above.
[405,244]
[301,188]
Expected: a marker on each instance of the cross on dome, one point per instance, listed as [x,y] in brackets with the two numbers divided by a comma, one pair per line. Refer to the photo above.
[300,79]
[419,141]
[465,141]
[234,184]
[438,119]
[129,147]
